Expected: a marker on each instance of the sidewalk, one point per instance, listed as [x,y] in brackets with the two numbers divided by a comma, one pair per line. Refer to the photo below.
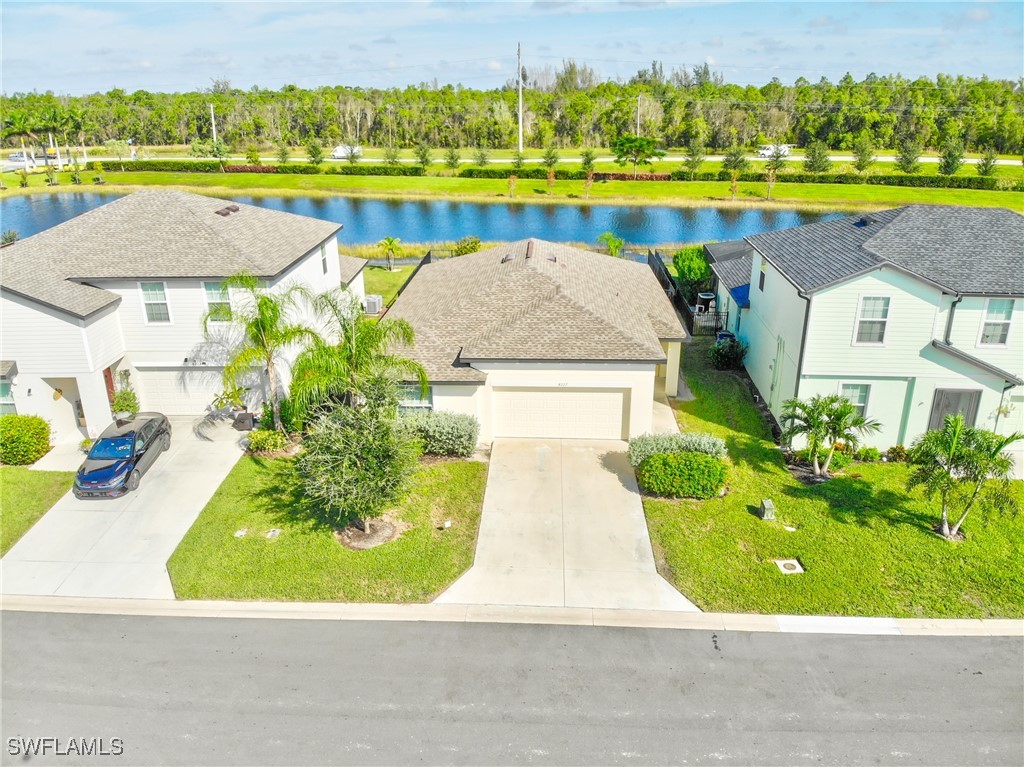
[564,616]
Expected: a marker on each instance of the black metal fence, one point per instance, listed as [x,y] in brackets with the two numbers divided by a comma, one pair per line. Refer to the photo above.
[698,323]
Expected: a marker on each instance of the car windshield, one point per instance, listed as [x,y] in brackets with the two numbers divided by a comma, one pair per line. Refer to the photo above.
[112,449]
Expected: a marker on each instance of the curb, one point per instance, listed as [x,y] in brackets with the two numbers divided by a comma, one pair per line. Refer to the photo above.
[561,616]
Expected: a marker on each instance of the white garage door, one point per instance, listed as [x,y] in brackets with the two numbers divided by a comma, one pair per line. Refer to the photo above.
[560,413]
[179,391]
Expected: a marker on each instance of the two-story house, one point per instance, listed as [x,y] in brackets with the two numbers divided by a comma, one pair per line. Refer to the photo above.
[910,313]
[125,287]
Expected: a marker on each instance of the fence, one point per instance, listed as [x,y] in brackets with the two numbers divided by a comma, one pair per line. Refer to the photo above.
[697,323]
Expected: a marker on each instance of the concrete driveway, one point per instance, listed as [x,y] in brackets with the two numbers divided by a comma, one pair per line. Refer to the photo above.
[119,547]
[563,526]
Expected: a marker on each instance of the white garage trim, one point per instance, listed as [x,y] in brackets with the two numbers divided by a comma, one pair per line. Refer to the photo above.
[179,390]
[560,413]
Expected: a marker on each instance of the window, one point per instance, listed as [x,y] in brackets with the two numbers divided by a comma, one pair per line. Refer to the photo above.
[760,277]
[872,317]
[323,257]
[6,398]
[995,327]
[949,401]
[857,394]
[218,301]
[154,298]
[410,398]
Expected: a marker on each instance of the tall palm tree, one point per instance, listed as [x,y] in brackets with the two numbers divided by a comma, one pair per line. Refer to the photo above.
[78,123]
[359,349]
[19,125]
[956,462]
[264,318]
[807,419]
[389,246]
[51,121]
[845,425]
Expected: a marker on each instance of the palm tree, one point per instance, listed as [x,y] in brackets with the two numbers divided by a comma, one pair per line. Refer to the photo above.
[360,350]
[267,330]
[807,419]
[51,121]
[956,462]
[19,125]
[845,425]
[78,123]
[389,246]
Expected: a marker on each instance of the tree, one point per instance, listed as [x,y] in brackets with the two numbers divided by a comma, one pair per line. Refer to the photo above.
[863,152]
[9,236]
[357,461]
[951,156]
[391,156]
[551,180]
[218,150]
[518,160]
[613,242]
[252,155]
[735,159]
[816,159]
[550,158]
[356,350]
[315,151]
[512,185]
[638,150]
[120,148]
[692,270]
[694,158]
[963,466]
[452,158]
[826,422]
[845,425]
[424,156]
[734,184]
[284,152]
[482,157]
[908,156]
[53,120]
[588,184]
[987,164]
[389,247]
[265,329]
[806,419]
[776,161]
[19,125]
[587,158]
[78,122]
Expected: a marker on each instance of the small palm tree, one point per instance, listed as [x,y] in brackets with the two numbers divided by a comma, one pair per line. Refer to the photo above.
[806,419]
[267,330]
[956,462]
[389,246]
[360,349]
[844,425]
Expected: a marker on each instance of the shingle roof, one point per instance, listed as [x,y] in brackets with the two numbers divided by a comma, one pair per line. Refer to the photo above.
[962,249]
[350,267]
[154,233]
[970,359]
[6,366]
[734,272]
[560,303]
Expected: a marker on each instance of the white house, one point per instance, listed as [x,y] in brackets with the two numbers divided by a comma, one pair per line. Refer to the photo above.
[910,313]
[540,340]
[125,287]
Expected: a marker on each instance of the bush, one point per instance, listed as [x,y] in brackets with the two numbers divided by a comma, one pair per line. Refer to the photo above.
[840,459]
[646,445]
[86,444]
[307,169]
[125,401]
[896,454]
[682,475]
[267,441]
[536,174]
[465,246]
[727,354]
[289,418]
[169,166]
[251,168]
[446,433]
[376,170]
[24,439]
[868,455]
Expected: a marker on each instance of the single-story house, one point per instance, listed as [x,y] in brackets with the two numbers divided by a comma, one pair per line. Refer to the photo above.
[125,286]
[538,339]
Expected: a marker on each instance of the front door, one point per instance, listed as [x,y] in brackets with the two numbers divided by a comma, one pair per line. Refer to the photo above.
[108,379]
[949,401]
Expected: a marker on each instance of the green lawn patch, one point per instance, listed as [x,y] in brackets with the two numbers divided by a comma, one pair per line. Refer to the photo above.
[305,562]
[378,280]
[25,495]
[866,544]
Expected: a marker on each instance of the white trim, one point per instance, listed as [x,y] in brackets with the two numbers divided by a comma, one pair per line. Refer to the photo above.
[167,302]
[985,320]
[867,395]
[859,318]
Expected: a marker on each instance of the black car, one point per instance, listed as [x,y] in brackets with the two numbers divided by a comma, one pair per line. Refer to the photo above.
[122,454]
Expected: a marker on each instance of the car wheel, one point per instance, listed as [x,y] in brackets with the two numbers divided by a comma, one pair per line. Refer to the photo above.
[134,480]
[166,444]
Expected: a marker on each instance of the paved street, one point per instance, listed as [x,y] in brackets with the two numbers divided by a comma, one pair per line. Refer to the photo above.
[237,691]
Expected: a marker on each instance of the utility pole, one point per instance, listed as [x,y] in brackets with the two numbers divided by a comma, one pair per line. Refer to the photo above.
[638,115]
[391,126]
[519,79]
[213,124]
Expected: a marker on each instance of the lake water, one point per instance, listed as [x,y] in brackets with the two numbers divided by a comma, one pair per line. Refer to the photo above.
[435,220]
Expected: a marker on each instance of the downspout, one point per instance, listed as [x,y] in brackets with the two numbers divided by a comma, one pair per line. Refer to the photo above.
[949,319]
[803,343]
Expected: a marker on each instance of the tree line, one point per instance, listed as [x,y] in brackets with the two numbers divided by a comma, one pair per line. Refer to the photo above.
[568,107]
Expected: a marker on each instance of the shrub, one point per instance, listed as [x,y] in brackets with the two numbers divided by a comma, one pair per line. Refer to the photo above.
[896,454]
[252,155]
[646,445]
[376,170]
[446,433]
[86,445]
[840,460]
[465,246]
[170,166]
[254,168]
[24,439]
[267,441]
[682,475]
[309,170]
[289,417]
[868,455]
[536,174]
[727,354]
[125,401]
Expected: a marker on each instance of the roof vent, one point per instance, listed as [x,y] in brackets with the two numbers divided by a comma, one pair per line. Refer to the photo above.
[227,211]
[863,221]
[553,259]
[506,258]
[529,248]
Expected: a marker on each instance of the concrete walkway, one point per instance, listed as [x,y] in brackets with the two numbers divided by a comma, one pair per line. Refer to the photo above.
[118,547]
[563,526]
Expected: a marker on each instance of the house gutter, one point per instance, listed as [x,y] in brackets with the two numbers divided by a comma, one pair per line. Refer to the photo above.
[949,319]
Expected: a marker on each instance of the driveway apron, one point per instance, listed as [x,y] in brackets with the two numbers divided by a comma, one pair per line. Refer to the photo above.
[563,526]
[118,547]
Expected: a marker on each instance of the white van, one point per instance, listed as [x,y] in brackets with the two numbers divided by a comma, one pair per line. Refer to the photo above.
[767,150]
[345,152]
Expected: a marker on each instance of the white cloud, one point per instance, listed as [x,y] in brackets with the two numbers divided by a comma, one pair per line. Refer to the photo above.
[494,66]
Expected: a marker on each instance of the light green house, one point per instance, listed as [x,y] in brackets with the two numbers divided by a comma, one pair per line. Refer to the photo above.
[910,313]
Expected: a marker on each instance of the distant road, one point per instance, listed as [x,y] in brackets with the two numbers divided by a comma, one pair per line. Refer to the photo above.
[198,691]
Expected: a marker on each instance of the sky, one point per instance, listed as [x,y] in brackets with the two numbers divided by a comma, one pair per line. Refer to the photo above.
[76,48]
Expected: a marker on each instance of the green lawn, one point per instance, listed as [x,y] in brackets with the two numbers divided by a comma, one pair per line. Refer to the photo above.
[379,280]
[305,562]
[26,495]
[866,545]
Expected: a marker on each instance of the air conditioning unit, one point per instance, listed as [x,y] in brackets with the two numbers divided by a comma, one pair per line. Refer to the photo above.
[374,304]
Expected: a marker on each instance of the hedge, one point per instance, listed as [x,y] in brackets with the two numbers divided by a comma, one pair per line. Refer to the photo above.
[643,447]
[376,170]
[531,173]
[881,179]
[24,439]
[682,475]
[168,166]
[305,169]
[446,433]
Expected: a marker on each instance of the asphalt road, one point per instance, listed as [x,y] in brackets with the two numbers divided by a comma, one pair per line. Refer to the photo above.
[210,691]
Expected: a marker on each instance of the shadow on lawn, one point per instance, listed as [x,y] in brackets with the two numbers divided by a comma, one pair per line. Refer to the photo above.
[279,493]
[856,501]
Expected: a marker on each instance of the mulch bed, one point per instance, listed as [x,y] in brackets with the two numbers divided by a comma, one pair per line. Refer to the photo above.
[379,531]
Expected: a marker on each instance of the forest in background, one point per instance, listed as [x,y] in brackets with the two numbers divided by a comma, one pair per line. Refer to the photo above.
[570,106]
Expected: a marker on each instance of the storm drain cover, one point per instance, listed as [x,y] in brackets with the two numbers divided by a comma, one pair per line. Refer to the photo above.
[241,533]
[273,533]
[788,566]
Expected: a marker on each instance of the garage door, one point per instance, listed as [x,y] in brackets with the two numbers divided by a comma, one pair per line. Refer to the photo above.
[560,413]
[179,391]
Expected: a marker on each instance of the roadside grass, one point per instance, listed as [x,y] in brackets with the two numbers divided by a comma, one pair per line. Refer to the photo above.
[25,495]
[306,562]
[865,543]
[379,280]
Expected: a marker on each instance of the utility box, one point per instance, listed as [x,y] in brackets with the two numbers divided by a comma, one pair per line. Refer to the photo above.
[767,510]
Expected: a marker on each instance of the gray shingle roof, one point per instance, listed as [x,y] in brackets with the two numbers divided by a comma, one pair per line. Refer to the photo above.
[970,359]
[579,306]
[350,268]
[734,272]
[154,233]
[963,249]
[6,366]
